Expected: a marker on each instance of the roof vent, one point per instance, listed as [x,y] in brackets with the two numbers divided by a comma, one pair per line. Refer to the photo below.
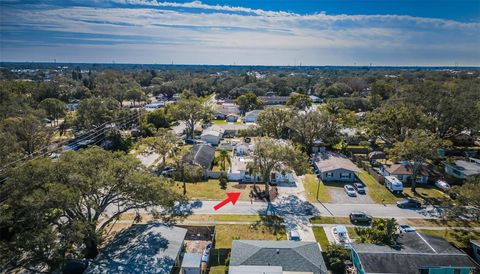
[278,251]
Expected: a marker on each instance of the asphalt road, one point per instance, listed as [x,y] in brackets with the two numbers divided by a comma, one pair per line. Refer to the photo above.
[375,210]
[341,210]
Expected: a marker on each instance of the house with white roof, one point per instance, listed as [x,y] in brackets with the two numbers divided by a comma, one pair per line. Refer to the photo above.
[241,157]
[212,135]
[334,167]
[462,169]
[251,116]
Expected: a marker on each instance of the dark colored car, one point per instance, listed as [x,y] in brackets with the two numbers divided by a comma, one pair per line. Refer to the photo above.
[360,217]
[359,188]
[409,203]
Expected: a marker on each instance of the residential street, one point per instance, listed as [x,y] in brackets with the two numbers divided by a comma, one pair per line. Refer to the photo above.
[246,208]
[329,209]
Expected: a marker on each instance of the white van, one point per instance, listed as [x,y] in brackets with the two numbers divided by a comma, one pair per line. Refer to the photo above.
[393,184]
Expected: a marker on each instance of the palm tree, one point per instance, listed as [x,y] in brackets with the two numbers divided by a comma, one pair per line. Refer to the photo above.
[252,170]
[224,158]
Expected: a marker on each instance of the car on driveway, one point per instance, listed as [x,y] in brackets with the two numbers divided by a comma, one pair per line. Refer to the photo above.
[406,228]
[360,217]
[409,203]
[359,188]
[350,190]
[442,185]
[294,236]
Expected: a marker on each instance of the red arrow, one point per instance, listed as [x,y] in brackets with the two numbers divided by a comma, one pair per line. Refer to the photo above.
[232,197]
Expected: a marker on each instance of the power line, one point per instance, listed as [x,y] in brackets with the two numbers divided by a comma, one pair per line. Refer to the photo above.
[99,130]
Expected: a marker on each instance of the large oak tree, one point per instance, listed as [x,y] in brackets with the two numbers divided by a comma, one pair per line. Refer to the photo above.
[55,208]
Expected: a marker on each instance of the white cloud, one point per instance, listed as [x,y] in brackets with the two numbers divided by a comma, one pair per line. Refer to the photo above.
[170,28]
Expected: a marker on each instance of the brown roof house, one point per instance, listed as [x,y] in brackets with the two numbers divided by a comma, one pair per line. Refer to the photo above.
[404,172]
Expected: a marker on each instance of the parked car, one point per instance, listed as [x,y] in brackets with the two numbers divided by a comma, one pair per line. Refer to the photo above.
[294,236]
[360,217]
[409,203]
[406,228]
[350,190]
[442,185]
[359,188]
[206,253]
[168,171]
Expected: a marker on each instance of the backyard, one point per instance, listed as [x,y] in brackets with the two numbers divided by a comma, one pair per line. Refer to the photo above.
[225,234]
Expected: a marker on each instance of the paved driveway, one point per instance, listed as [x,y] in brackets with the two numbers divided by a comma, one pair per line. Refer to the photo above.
[340,197]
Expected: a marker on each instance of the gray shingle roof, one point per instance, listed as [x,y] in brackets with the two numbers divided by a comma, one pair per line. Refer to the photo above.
[290,255]
[192,260]
[414,251]
[201,155]
[144,248]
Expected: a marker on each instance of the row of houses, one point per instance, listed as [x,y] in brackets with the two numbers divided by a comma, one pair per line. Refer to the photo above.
[241,157]
[157,248]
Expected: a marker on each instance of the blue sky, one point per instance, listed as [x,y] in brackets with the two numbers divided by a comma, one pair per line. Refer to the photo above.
[260,32]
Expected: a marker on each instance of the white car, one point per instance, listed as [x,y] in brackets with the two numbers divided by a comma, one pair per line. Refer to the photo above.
[294,236]
[350,190]
[442,185]
[406,228]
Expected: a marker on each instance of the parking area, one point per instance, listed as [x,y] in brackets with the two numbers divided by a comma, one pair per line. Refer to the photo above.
[338,196]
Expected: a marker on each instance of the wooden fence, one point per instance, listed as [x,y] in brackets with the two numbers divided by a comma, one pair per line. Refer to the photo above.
[365,165]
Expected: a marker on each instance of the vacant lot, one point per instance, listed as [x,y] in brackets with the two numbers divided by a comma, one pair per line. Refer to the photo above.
[210,190]
[311,184]
[225,234]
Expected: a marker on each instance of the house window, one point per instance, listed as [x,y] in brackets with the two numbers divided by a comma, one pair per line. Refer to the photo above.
[329,174]
[345,175]
[424,271]
[457,271]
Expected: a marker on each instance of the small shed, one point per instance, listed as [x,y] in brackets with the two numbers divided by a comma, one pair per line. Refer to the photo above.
[191,263]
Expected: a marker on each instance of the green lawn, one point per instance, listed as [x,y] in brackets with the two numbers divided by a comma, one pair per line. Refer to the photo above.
[330,220]
[311,184]
[225,234]
[233,218]
[218,260]
[138,148]
[457,237]
[217,164]
[223,122]
[428,194]
[320,236]
[439,222]
[352,233]
[378,192]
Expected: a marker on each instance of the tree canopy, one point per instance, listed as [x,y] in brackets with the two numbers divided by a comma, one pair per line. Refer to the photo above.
[55,208]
